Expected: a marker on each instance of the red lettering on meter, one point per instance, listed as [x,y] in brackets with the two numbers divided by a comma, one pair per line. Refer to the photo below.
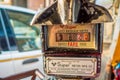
[73,44]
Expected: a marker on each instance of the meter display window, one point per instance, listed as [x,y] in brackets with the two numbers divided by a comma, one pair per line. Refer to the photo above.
[81,36]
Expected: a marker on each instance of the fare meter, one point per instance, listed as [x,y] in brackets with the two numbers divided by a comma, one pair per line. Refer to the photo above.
[72,37]
[73,50]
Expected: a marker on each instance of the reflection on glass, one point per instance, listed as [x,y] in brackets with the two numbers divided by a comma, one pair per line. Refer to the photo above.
[27,37]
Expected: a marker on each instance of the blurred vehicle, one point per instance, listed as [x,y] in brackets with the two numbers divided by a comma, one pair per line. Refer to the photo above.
[20,48]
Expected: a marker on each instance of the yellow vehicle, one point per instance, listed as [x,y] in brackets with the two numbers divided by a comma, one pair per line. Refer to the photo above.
[116,55]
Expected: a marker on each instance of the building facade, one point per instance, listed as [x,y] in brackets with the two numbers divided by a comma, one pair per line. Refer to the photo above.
[31,4]
[35,4]
[6,2]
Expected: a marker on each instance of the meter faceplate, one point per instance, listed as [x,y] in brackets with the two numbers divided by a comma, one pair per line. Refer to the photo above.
[72,38]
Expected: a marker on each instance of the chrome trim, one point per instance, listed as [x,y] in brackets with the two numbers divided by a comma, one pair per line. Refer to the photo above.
[72,12]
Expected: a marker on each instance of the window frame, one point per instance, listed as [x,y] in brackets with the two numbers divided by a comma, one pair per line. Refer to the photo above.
[4,31]
[9,34]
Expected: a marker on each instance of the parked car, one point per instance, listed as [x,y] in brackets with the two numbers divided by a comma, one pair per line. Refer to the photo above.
[20,48]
